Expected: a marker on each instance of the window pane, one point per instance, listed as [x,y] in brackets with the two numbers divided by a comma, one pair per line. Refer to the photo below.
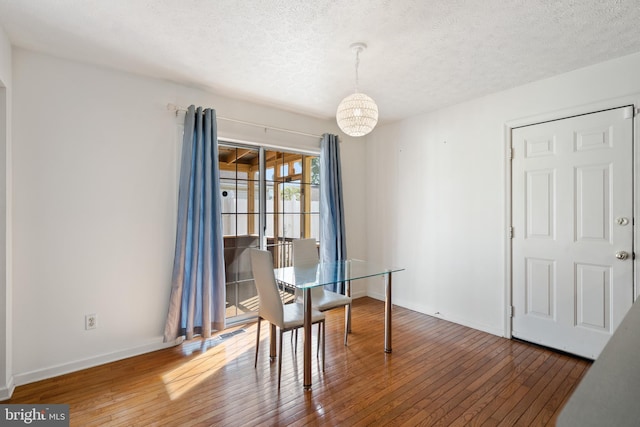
[240,287]
[297,167]
[227,194]
[227,173]
[291,197]
[269,175]
[241,196]
[291,212]
[255,219]
[315,199]
[242,224]
[315,226]
[270,227]
[271,197]
[254,194]
[290,226]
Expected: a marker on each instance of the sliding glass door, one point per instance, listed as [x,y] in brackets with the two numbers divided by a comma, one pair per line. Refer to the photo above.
[269,198]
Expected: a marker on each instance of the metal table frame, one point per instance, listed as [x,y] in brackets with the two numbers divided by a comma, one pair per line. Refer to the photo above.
[328,274]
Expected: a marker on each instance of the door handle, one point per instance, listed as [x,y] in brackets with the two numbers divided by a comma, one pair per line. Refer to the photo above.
[622,221]
[622,255]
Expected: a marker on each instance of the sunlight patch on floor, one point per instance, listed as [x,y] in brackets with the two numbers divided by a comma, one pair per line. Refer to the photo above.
[216,353]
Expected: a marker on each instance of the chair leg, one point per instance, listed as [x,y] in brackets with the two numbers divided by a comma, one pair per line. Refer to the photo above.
[255,363]
[280,358]
[319,332]
[347,322]
[324,328]
[295,347]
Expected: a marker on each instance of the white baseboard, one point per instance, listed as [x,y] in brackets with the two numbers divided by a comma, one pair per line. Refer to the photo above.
[425,310]
[65,368]
[358,294]
[157,344]
[6,391]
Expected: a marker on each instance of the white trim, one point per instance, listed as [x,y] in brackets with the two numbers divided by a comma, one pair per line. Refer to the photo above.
[574,111]
[6,391]
[556,115]
[508,237]
[421,308]
[636,201]
[359,293]
[65,368]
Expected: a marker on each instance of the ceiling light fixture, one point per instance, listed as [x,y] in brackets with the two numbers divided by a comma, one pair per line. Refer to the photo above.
[357,114]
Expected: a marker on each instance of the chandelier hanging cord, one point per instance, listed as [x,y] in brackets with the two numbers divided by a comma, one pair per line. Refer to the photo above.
[357,65]
[357,48]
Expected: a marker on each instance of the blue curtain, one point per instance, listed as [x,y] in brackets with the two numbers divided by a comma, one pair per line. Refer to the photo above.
[197,302]
[333,242]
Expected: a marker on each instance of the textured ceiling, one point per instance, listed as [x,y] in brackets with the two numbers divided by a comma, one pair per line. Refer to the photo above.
[294,54]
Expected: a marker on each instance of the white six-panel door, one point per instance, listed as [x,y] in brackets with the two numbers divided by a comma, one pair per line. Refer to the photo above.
[572,216]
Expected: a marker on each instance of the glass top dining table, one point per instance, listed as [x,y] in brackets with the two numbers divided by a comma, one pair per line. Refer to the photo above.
[329,273]
[322,274]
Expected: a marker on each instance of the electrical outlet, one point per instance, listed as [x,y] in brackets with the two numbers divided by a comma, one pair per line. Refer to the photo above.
[90,321]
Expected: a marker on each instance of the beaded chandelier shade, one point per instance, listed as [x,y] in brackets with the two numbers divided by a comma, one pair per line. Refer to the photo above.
[357,114]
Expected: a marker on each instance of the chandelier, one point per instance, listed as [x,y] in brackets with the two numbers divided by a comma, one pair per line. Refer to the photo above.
[357,114]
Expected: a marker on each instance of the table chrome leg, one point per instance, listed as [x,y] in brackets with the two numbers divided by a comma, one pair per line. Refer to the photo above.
[347,312]
[387,314]
[307,338]
[272,342]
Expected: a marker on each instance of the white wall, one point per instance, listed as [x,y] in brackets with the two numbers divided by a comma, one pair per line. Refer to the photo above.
[6,378]
[95,187]
[94,193]
[436,193]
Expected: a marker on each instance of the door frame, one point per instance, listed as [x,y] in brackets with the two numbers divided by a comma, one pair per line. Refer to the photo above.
[630,100]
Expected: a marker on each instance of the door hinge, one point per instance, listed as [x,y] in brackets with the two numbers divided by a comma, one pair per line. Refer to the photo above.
[510,231]
[510,153]
[511,310]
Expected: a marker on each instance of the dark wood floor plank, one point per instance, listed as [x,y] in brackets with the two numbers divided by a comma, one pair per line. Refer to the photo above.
[574,379]
[439,373]
[448,369]
[479,407]
[519,390]
[427,358]
[550,390]
[546,415]
[499,407]
[451,410]
[514,415]
[472,366]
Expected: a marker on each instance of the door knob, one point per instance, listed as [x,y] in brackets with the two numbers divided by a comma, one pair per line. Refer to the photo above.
[622,221]
[622,255]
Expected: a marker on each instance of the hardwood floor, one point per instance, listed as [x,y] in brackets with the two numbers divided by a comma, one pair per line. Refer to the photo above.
[439,373]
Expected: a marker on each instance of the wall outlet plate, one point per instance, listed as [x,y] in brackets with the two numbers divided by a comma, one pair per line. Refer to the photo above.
[90,321]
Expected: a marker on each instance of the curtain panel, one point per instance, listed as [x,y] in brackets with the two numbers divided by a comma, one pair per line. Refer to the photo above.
[333,241]
[197,301]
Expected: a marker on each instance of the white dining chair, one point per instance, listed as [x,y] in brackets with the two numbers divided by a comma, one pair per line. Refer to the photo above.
[287,317]
[305,255]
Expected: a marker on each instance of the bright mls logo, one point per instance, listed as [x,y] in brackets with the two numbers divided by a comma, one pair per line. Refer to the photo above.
[35,415]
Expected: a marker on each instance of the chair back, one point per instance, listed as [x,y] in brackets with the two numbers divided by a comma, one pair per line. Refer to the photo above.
[270,304]
[305,253]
